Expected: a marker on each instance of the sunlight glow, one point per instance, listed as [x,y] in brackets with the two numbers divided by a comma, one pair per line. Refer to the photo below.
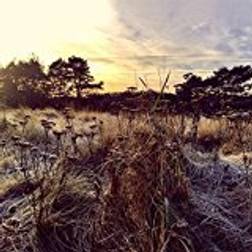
[121,39]
[41,27]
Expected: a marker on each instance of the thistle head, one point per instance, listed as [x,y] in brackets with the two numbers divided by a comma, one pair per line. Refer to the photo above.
[69,127]
[34,149]
[3,143]
[25,144]
[52,158]
[15,138]
[44,122]
[58,133]
[93,126]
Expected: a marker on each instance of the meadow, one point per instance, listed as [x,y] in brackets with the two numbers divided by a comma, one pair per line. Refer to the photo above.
[89,181]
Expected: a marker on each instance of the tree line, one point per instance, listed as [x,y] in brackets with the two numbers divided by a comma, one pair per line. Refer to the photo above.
[27,83]
[226,90]
[65,82]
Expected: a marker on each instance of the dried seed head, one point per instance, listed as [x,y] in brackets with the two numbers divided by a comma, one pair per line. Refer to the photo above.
[69,127]
[48,126]
[43,122]
[3,143]
[52,123]
[44,154]
[94,126]
[14,125]
[25,144]
[34,149]
[58,133]
[15,138]
[22,123]
[52,158]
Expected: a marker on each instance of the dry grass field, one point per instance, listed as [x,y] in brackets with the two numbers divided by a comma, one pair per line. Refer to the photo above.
[88,181]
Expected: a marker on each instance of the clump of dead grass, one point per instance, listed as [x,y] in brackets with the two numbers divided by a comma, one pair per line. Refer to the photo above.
[124,204]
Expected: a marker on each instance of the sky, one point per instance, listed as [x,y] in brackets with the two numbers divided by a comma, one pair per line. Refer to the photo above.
[127,39]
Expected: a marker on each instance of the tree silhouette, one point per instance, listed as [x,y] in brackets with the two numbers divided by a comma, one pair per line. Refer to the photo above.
[215,92]
[71,77]
[21,82]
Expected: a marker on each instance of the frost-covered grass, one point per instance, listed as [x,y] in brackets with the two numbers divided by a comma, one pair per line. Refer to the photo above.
[88,181]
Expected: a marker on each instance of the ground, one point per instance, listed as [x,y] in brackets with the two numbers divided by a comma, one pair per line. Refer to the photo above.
[85,181]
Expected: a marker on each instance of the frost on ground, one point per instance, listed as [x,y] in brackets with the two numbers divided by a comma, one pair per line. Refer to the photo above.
[134,188]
